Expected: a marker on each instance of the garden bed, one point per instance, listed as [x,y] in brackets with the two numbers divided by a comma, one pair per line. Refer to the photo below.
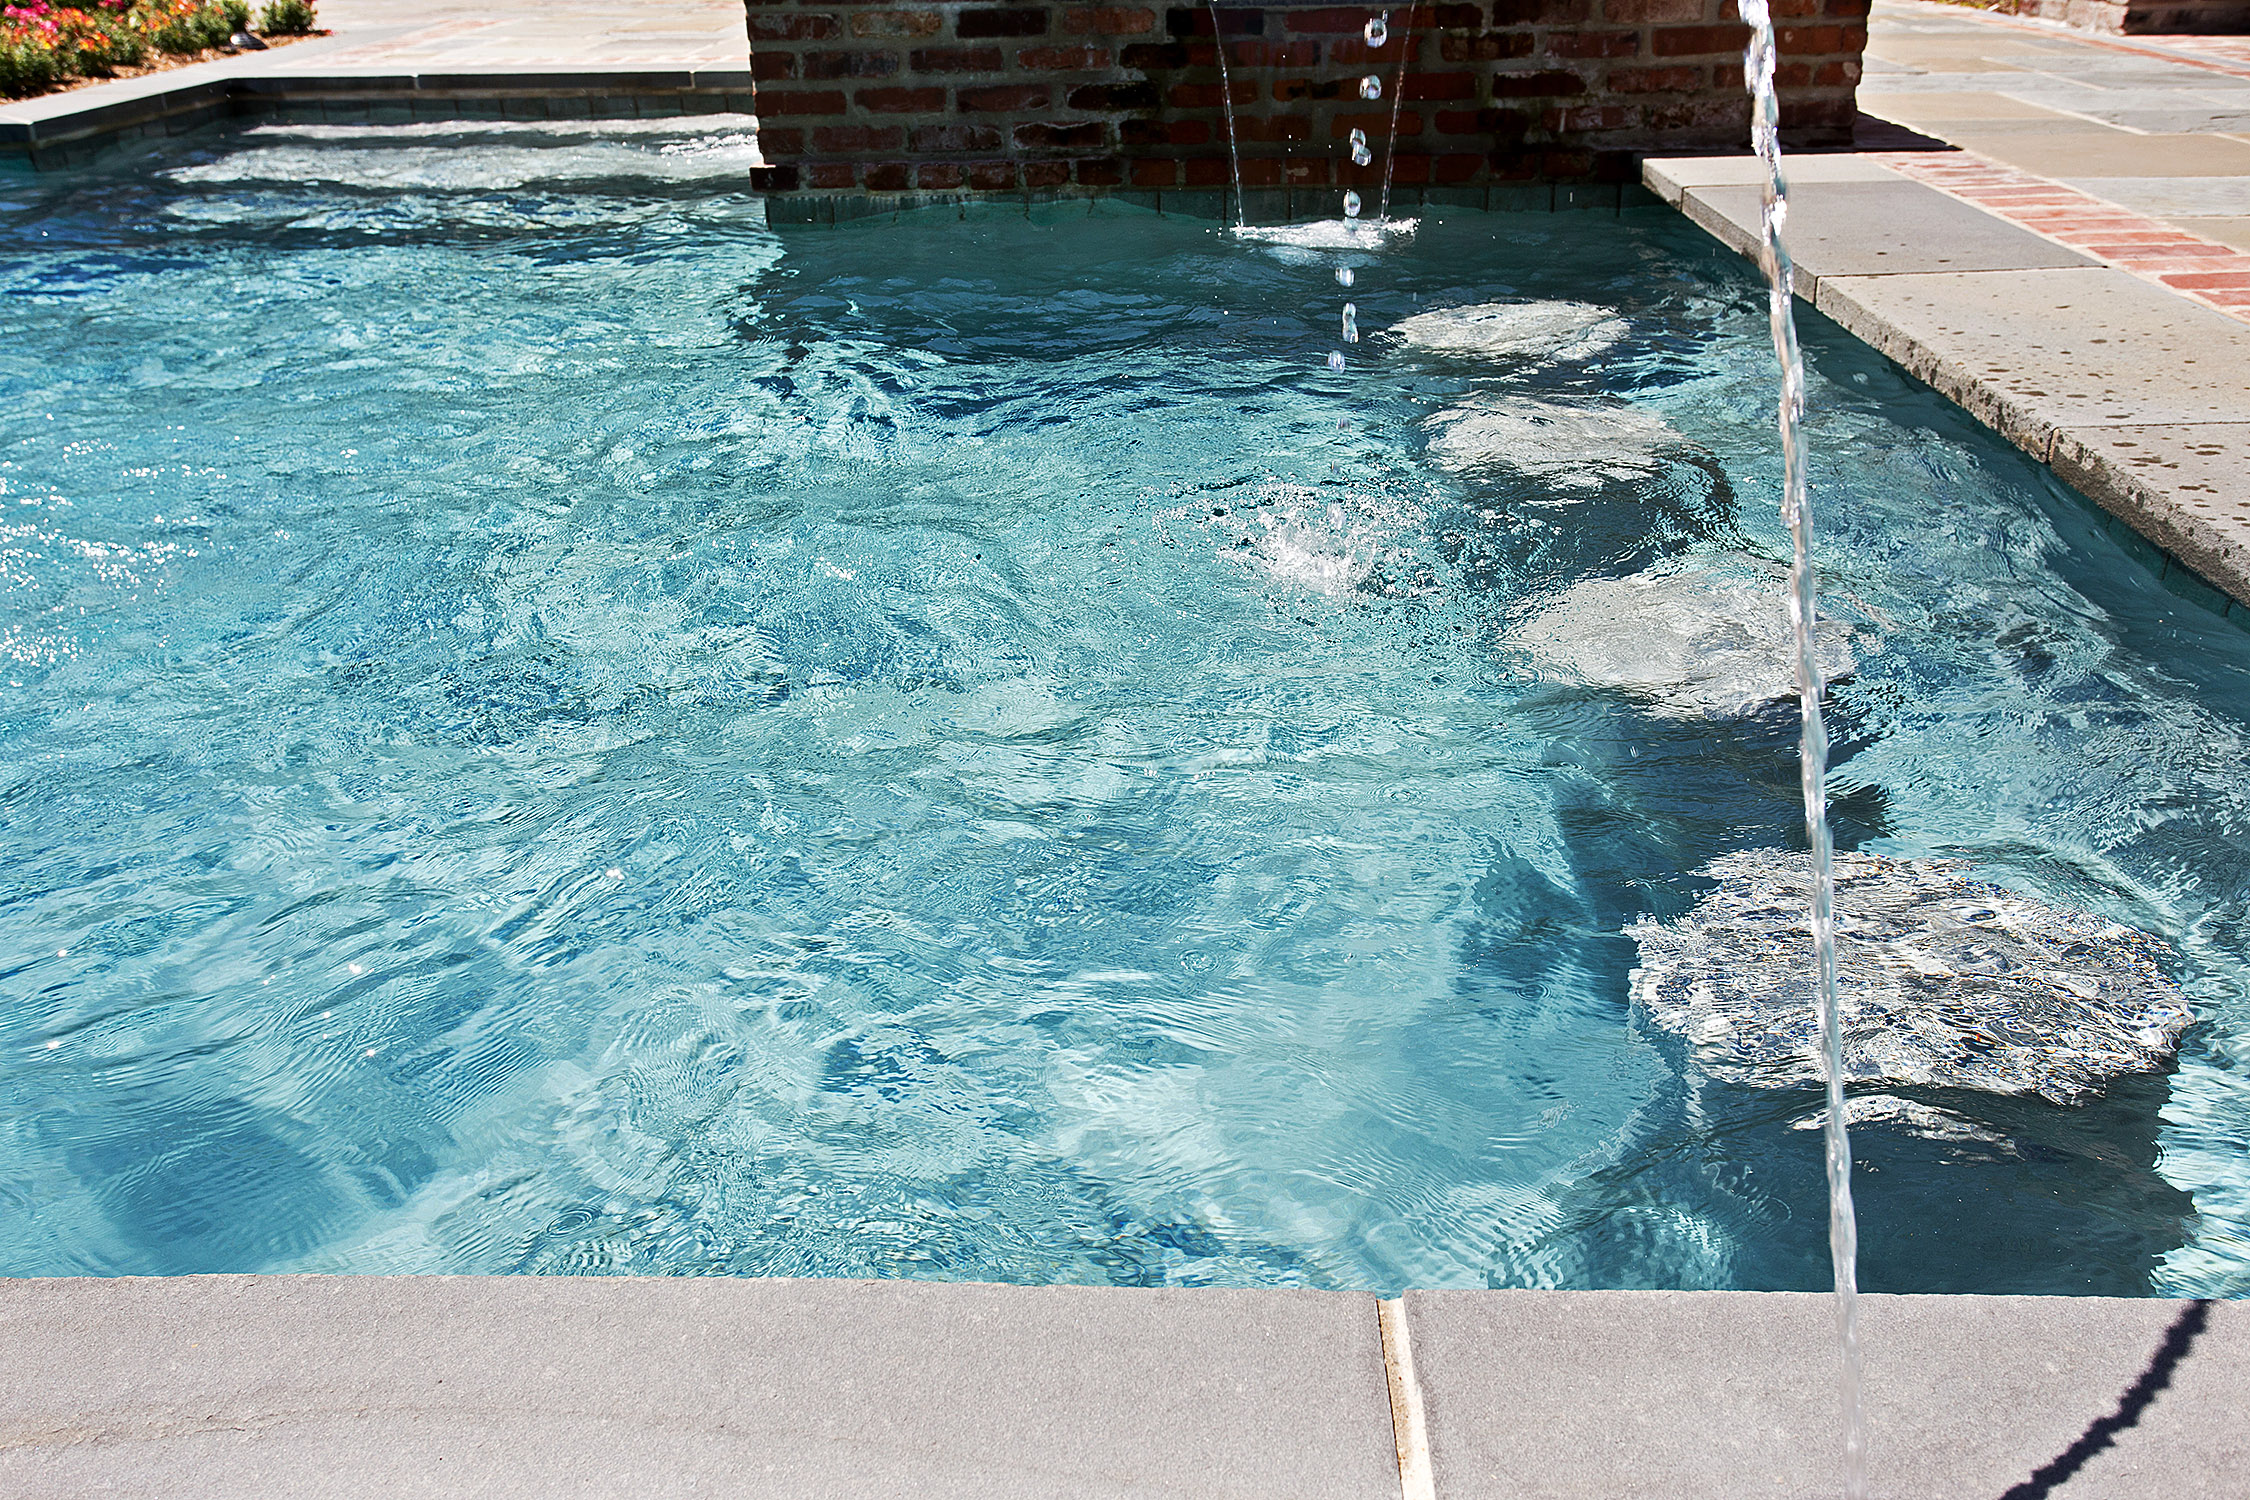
[48,47]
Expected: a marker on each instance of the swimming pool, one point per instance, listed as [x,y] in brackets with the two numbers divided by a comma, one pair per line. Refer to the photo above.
[551,728]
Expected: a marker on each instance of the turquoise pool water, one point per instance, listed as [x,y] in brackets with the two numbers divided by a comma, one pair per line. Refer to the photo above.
[548,727]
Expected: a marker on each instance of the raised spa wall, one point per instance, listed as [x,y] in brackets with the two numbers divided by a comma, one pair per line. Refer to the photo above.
[875,100]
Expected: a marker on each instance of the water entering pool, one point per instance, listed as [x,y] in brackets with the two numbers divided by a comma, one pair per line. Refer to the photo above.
[549,727]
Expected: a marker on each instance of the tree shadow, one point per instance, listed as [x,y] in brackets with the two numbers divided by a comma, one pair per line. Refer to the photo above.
[2138,1397]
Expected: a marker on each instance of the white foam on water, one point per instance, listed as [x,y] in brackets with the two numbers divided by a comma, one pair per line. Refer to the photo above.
[1709,638]
[1516,331]
[1574,445]
[1945,981]
[445,168]
[1329,234]
[1309,540]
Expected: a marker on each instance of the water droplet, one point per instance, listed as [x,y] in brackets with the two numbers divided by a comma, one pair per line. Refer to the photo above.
[1379,30]
[1351,205]
[1360,154]
[1371,87]
[1351,323]
[1344,276]
[1335,359]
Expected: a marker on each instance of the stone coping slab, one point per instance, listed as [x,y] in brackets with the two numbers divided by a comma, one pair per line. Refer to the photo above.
[2048,347]
[1716,1395]
[185,98]
[307,1387]
[1878,228]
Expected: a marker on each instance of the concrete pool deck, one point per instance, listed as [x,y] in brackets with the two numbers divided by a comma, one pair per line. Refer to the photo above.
[313,1386]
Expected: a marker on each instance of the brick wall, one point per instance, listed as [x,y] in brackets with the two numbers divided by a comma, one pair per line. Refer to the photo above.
[876,96]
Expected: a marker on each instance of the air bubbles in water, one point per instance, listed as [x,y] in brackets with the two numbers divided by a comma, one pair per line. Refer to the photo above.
[1361,156]
[1351,322]
[1336,359]
[1371,87]
[1351,205]
[1344,276]
[1379,30]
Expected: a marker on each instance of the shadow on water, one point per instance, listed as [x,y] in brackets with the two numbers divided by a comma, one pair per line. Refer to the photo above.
[2138,1398]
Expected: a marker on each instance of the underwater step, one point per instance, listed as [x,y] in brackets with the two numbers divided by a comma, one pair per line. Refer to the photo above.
[311,1386]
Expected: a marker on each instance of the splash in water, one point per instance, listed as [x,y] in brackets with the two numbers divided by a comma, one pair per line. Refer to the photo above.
[1812,756]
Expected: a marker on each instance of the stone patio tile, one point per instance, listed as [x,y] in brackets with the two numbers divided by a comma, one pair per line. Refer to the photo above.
[2167,197]
[2032,351]
[1877,228]
[311,1387]
[2182,487]
[2232,230]
[2096,151]
[1663,1395]
[1951,105]
[1670,177]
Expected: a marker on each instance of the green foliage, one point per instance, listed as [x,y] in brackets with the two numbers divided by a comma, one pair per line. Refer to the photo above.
[27,68]
[287,18]
[45,44]
[191,28]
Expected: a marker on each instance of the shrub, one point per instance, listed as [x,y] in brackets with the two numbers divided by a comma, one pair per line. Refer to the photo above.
[45,43]
[287,18]
[27,67]
[179,26]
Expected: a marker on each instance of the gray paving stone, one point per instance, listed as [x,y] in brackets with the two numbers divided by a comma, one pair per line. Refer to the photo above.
[2091,150]
[2032,351]
[2170,197]
[1664,1395]
[2229,230]
[1670,177]
[2184,488]
[1877,228]
[311,1387]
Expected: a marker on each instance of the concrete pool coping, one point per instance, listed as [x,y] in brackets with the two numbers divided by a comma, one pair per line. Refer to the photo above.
[2131,394]
[59,131]
[308,1386]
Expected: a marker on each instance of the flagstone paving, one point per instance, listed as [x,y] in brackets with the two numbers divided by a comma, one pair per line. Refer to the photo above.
[421,34]
[2136,151]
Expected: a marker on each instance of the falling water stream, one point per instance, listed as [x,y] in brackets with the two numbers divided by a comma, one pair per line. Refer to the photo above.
[1398,96]
[1812,754]
[1843,1234]
[1226,97]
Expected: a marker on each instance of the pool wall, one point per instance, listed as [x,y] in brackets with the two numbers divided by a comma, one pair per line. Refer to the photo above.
[868,99]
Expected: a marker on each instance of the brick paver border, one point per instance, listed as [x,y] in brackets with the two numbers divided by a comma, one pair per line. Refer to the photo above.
[2215,275]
